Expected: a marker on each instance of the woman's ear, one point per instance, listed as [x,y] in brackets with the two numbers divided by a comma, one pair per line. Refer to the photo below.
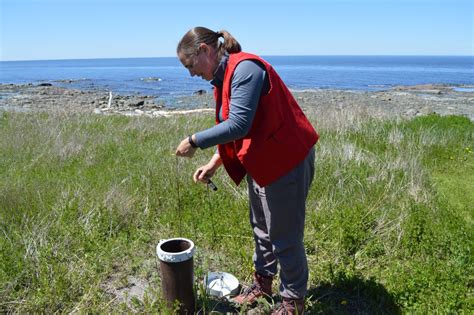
[204,48]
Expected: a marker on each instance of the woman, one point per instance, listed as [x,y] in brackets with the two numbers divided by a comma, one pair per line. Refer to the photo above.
[261,134]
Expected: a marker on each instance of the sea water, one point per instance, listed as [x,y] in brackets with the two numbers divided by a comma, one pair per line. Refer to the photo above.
[166,77]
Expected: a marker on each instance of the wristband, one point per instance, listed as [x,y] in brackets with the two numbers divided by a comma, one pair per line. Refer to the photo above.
[191,142]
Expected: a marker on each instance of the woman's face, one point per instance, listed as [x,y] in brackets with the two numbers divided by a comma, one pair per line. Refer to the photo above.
[203,63]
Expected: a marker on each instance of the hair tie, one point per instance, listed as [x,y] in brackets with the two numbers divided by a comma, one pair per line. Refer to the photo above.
[219,34]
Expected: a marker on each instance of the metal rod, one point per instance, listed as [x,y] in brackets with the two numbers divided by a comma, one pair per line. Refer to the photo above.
[178,205]
[211,211]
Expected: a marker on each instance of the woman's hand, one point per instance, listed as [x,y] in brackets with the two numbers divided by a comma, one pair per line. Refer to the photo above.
[185,148]
[205,172]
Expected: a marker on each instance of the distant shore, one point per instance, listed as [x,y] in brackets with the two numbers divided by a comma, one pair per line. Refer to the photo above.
[404,101]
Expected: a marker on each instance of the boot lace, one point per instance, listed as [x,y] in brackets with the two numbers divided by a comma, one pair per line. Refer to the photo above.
[251,289]
[286,308]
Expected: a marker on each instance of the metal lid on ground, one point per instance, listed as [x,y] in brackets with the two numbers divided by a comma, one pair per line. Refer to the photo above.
[221,284]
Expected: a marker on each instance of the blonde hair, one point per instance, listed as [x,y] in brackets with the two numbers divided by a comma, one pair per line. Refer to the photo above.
[189,44]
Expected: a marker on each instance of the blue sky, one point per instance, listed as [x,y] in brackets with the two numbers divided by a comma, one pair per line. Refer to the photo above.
[70,29]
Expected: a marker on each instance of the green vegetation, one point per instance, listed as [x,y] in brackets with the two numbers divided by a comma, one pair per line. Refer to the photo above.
[84,199]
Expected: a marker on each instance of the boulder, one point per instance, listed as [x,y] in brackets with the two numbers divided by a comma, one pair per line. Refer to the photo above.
[200,92]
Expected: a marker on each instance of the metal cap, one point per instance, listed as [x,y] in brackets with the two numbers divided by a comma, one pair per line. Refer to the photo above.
[168,252]
[221,284]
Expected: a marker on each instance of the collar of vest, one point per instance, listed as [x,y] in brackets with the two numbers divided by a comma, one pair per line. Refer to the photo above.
[221,94]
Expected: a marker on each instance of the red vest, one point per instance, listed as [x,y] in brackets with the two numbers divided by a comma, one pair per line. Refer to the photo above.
[280,137]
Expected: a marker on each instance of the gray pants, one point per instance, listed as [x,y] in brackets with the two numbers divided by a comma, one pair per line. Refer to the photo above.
[277,215]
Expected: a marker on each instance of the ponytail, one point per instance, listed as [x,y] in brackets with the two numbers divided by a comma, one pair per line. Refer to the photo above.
[190,42]
[230,44]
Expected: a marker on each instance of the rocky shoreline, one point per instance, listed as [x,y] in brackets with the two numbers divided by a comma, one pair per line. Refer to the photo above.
[405,101]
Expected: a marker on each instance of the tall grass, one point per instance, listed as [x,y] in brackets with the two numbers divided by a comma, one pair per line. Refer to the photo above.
[84,199]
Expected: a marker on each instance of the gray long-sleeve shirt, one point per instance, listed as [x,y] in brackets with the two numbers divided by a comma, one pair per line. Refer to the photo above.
[249,81]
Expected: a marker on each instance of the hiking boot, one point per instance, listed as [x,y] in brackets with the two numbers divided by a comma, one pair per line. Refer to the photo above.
[261,287]
[290,307]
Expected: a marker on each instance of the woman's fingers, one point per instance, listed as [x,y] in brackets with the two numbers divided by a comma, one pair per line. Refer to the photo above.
[196,175]
[202,174]
[185,149]
[199,175]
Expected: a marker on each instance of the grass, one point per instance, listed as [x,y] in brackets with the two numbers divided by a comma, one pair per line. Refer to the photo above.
[84,199]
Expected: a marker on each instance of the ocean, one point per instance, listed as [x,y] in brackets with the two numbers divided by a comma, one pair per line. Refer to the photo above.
[167,78]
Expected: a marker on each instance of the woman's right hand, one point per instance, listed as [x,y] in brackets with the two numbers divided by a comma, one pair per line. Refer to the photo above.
[205,172]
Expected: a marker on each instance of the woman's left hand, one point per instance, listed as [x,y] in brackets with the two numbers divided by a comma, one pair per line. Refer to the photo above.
[185,149]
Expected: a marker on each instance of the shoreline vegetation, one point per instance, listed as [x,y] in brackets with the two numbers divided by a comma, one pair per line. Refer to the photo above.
[88,189]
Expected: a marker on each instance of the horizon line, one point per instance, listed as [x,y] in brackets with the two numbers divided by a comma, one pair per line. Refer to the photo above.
[263,55]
